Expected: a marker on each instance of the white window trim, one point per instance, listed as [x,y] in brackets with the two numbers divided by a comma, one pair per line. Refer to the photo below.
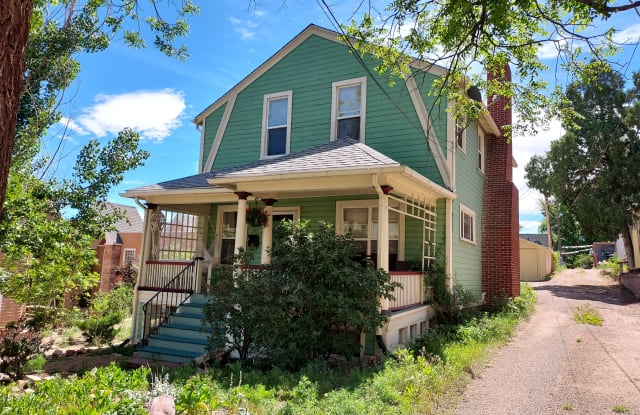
[334,105]
[340,205]
[463,145]
[124,254]
[482,154]
[265,120]
[292,210]
[464,210]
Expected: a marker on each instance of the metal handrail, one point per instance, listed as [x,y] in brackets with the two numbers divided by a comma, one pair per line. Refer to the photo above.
[168,298]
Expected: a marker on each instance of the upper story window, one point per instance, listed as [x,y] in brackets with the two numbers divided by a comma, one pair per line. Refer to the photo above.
[276,124]
[461,135]
[348,109]
[481,150]
[467,224]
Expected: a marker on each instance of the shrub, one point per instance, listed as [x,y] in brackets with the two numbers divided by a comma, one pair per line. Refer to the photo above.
[100,329]
[312,301]
[17,345]
[583,261]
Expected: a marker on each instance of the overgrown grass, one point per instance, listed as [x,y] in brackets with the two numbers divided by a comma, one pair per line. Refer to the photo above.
[585,314]
[421,380]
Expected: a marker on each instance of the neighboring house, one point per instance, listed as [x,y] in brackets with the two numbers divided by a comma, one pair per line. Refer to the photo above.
[118,247]
[10,311]
[314,133]
[536,238]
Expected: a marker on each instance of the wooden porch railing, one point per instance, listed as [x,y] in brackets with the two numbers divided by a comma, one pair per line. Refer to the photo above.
[413,291]
[170,295]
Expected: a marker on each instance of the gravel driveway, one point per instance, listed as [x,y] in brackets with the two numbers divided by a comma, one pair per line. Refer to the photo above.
[556,366]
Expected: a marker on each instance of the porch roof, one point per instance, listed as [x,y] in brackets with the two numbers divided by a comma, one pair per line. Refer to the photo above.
[338,167]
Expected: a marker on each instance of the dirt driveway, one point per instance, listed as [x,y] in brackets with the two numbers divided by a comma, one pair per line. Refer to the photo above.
[556,366]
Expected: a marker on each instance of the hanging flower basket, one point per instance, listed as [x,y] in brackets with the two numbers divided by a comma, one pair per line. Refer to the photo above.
[257,216]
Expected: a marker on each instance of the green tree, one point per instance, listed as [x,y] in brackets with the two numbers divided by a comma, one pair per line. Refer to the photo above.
[47,227]
[460,35]
[46,34]
[312,301]
[539,176]
[596,163]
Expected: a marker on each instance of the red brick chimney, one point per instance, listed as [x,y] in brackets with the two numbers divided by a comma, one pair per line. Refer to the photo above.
[500,224]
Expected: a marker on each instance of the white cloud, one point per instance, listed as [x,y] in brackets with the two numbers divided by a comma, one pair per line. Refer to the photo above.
[243,27]
[629,35]
[154,114]
[245,34]
[524,147]
[72,125]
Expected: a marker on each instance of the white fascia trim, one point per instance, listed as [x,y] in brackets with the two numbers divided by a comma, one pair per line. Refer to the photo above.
[424,181]
[334,105]
[488,124]
[144,194]
[201,129]
[451,144]
[220,133]
[429,132]
[265,129]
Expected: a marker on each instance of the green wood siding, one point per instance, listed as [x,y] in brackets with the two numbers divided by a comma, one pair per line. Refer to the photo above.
[211,128]
[392,126]
[469,187]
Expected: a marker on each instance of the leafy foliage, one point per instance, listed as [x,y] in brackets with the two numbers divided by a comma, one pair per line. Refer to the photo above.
[461,36]
[311,302]
[18,344]
[107,310]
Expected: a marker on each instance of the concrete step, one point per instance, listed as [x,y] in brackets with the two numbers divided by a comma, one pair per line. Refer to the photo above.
[178,343]
[192,320]
[166,355]
[180,330]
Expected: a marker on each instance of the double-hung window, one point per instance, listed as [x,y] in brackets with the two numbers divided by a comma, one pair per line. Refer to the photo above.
[467,224]
[276,130]
[461,135]
[360,220]
[348,109]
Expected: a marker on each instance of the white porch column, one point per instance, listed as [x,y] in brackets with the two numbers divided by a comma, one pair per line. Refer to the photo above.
[241,222]
[267,232]
[145,251]
[383,237]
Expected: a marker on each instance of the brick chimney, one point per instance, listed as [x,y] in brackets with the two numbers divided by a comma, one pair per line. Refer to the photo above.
[500,223]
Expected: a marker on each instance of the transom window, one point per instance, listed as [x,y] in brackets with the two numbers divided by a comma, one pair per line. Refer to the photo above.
[467,224]
[348,109]
[276,124]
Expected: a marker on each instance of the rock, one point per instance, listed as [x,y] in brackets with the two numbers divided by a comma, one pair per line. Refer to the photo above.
[162,405]
[70,352]
[57,353]
[116,355]
[202,360]
[29,390]
[81,350]
[23,384]
[33,378]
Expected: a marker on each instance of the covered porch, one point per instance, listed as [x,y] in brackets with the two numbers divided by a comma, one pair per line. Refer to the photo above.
[196,223]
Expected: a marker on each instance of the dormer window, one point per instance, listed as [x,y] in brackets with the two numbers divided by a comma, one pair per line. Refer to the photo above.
[276,123]
[348,109]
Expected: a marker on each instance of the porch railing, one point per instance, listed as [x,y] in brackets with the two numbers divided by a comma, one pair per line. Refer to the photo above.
[169,296]
[413,291]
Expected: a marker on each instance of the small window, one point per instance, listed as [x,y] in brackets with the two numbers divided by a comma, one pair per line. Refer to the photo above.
[276,124]
[348,109]
[467,224]
[461,135]
[129,256]
[480,150]
[228,237]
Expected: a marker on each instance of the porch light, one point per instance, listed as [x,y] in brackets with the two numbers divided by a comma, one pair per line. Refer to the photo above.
[386,188]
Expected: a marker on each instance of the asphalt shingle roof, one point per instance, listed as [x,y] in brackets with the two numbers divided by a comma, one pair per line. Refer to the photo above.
[341,154]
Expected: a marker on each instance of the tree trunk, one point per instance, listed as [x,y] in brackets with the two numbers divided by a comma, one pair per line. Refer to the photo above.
[15,16]
[628,247]
[548,216]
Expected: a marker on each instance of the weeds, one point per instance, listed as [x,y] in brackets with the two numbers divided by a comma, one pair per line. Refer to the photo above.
[585,314]
[620,409]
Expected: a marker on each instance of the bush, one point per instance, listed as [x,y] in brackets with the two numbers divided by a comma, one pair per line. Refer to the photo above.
[17,345]
[583,261]
[312,301]
[100,329]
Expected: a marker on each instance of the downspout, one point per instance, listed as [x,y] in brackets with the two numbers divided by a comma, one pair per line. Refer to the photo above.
[449,242]
[142,270]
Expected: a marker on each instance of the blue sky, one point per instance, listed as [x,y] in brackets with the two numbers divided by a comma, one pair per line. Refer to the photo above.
[159,96]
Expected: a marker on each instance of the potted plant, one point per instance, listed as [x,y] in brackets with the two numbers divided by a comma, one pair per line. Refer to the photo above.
[257,216]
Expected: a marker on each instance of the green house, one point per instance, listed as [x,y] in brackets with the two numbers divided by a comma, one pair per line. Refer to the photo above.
[315,133]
